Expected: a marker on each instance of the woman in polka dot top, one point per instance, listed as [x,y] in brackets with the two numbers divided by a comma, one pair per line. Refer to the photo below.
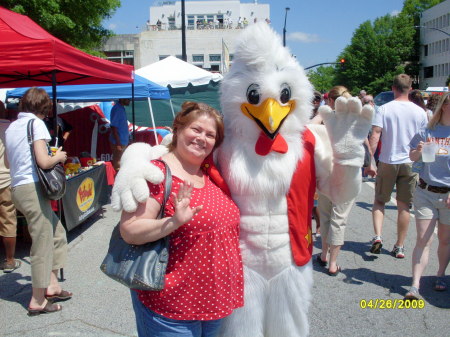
[204,279]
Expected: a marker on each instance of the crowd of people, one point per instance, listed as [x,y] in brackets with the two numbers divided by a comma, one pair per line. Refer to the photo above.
[403,127]
[400,129]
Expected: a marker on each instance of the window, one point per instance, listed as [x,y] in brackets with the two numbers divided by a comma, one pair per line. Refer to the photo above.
[428,72]
[162,57]
[425,50]
[198,58]
[200,20]
[190,21]
[214,57]
[214,67]
[120,56]
[171,21]
[113,54]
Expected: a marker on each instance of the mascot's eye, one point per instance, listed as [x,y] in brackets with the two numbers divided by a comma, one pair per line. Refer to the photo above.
[253,95]
[285,94]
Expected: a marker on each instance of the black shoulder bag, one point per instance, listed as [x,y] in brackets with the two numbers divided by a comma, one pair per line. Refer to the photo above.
[141,267]
[52,181]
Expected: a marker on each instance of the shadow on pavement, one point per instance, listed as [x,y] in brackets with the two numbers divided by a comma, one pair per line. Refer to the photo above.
[16,287]
[368,206]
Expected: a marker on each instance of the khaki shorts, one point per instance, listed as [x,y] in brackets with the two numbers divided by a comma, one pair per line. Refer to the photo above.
[429,205]
[8,219]
[333,219]
[399,175]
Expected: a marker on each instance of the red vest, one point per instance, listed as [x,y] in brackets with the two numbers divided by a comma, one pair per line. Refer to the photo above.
[300,202]
[300,199]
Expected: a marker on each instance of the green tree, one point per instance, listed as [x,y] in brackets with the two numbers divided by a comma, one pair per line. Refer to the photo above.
[376,53]
[322,78]
[79,23]
[381,49]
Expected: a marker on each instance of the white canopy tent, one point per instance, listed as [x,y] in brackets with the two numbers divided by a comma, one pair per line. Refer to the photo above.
[177,73]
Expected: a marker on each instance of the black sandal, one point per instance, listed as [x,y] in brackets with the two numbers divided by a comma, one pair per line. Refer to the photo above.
[338,270]
[321,262]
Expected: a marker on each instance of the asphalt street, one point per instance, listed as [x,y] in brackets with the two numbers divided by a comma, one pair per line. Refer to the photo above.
[349,304]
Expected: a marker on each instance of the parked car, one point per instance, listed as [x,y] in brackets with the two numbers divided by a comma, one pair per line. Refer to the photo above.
[383,98]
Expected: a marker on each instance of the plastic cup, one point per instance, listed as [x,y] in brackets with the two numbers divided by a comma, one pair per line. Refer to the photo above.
[53,149]
[429,152]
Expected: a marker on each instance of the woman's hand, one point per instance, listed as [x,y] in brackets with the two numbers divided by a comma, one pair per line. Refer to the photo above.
[183,211]
[448,201]
[61,155]
[416,154]
[419,147]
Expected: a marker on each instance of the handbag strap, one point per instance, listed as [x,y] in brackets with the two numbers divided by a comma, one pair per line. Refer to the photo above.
[167,188]
[30,139]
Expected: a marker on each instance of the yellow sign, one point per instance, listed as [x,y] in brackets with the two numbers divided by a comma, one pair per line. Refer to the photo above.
[85,194]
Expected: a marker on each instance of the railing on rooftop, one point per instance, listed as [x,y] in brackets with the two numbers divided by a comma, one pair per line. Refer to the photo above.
[198,26]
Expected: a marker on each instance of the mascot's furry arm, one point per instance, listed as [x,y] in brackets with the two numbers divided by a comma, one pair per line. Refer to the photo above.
[339,152]
[130,187]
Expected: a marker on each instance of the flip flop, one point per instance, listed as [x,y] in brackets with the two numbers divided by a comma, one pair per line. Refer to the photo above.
[48,309]
[439,284]
[64,295]
[9,268]
[412,294]
[338,270]
[321,262]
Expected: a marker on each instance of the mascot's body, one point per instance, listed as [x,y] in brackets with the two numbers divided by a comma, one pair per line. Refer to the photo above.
[271,162]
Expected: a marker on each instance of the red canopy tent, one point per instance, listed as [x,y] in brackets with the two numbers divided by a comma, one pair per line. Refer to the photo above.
[30,56]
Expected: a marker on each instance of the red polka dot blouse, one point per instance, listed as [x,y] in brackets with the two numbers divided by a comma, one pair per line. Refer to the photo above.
[204,278]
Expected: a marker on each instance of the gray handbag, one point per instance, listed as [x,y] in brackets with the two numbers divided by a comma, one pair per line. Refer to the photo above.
[141,267]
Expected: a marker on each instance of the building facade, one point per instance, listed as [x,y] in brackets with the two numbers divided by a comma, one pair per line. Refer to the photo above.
[435,46]
[211,28]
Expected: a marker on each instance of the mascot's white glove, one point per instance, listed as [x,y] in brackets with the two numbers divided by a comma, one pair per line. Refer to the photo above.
[347,128]
[130,186]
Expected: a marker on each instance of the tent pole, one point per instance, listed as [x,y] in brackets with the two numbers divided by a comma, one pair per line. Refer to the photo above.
[132,108]
[153,120]
[54,110]
[171,107]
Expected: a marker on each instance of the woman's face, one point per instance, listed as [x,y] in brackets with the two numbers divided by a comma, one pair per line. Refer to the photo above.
[197,140]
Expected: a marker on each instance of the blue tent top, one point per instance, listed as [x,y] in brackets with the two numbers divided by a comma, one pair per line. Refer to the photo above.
[143,88]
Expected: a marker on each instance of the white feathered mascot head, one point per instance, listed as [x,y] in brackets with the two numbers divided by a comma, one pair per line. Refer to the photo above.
[266,101]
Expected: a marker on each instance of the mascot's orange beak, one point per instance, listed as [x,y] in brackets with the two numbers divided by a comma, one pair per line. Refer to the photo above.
[269,115]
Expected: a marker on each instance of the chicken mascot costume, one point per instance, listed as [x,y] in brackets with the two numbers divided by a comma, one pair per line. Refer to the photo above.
[271,161]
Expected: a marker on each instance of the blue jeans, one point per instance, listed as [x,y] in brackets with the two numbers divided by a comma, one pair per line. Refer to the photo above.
[151,324]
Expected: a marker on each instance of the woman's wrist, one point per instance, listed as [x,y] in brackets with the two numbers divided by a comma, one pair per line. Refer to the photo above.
[177,224]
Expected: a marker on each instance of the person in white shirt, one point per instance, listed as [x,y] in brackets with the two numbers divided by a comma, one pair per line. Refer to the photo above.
[396,122]
[8,219]
[49,243]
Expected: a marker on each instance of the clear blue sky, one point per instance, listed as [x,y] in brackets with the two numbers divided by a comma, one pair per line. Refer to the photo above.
[317,31]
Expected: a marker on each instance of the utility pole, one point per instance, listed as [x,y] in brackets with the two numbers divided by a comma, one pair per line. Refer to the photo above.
[183,32]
